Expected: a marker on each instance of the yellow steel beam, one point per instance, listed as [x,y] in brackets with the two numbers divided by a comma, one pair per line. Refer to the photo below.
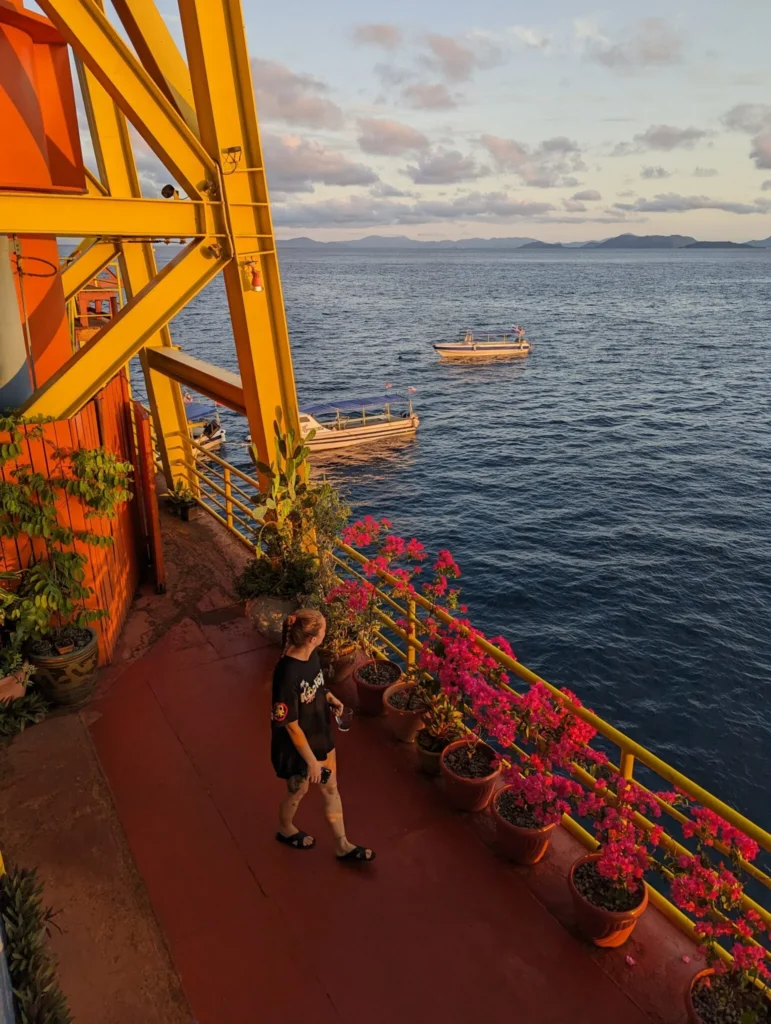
[117,167]
[111,348]
[85,27]
[159,54]
[33,213]
[94,185]
[88,265]
[220,385]
[218,59]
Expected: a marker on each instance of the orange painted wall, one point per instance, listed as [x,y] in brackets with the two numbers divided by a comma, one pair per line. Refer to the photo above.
[114,571]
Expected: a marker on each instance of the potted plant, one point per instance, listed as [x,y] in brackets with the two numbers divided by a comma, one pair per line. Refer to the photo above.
[45,603]
[705,887]
[538,789]
[608,887]
[273,587]
[180,500]
[404,706]
[442,725]
[393,555]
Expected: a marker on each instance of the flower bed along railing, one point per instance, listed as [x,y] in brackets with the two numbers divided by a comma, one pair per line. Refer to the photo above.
[710,860]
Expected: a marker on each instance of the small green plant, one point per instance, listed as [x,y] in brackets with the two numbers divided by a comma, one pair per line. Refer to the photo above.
[37,997]
[50,593]
[18,713]
[443,722]
[181,495]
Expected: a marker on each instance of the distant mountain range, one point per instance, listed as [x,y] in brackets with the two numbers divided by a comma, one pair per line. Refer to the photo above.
[626,241]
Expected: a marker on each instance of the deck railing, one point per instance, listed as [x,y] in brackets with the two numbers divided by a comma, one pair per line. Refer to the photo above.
[227,494]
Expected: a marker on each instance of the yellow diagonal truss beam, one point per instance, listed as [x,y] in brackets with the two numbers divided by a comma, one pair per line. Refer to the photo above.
[94,365]
[85,267]
[220,385]
[94,40]
[159,54]
[34,213]
[218,60]
[94,185]
[117,168]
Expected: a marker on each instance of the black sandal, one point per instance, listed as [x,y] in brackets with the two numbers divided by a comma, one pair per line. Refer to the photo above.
[297,840]
[358,855]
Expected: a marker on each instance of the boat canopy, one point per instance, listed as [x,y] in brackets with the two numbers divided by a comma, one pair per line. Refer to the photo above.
[354,404]
[197,411]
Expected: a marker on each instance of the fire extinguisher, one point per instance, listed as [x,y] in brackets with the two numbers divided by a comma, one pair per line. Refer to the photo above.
[255,277]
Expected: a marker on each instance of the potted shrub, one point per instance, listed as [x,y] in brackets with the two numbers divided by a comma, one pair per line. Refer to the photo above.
[608,887]
[538,789]
[404,706]
[442,725]
[705,887]
[180,500]
[393,555]
[45,602]
[300,524]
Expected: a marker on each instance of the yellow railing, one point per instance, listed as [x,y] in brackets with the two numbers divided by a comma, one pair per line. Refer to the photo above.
[228,494]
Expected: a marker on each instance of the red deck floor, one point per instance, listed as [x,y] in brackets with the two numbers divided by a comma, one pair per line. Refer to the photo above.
[437,929]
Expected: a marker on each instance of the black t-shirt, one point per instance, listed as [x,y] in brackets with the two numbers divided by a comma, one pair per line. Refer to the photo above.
[299,696]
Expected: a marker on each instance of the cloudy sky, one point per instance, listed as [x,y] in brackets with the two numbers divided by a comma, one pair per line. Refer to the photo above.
[440,119]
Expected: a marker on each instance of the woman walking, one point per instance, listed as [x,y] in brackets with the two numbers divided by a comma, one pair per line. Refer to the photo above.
[302,750]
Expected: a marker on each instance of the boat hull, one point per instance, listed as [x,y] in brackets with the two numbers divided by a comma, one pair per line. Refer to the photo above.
[482,351]
[328,439]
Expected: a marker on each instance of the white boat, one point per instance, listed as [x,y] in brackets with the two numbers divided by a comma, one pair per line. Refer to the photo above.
[203,420]
[357,421]
[492,346]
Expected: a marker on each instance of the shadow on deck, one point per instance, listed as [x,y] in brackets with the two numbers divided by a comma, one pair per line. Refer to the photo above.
[439,928]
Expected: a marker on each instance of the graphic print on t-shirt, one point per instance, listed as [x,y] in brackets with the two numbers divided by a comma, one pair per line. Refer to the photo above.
[308,690]
[280,712]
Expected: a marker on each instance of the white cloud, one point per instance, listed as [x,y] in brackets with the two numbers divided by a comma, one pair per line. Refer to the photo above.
[589,195]
[295,165]
[389,138]
[705,172]
[574,206]
[382,34]
[456,61]
[654,172]
[363,211]
[662,137]
[531,38]
[283,95]
[671,202]
[428,96]
[755,120]
[766,186]
[543,166]
[653,43]
[444,167]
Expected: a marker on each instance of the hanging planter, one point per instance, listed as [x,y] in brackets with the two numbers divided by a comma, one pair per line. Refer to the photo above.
[606,914]
[469,773]
[371,680]
[520,837]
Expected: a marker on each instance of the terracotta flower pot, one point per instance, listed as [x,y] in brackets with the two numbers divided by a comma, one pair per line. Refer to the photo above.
[268,614]
[371,695]
[405,725]
[68,680]
[522,845]
[11,687]
[468,794]
[605,928]
[428,760]
[693,1016]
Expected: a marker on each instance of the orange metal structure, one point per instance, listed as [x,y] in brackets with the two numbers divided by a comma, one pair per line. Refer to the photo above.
[41,153]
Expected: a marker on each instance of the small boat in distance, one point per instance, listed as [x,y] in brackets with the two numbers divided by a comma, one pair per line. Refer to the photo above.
[508,345]
[357,421]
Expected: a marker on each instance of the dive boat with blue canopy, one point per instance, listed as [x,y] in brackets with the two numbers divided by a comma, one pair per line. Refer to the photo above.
[203,420]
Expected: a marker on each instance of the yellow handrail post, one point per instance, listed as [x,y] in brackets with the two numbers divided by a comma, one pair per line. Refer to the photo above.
[411,631]
[626,764]
[228,498]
